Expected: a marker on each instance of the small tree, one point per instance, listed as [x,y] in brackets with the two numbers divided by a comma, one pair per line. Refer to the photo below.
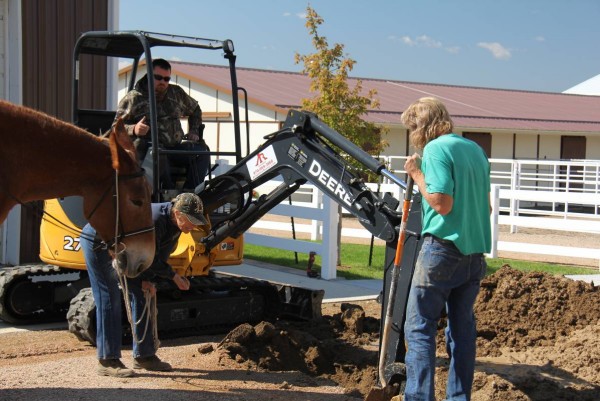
[336,104]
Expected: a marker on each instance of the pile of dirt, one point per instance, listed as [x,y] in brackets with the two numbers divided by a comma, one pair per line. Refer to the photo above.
[538,338]
[342,347]
[524,310]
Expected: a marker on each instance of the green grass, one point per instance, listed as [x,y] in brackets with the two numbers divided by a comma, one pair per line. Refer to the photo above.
[355,262]
[525,265]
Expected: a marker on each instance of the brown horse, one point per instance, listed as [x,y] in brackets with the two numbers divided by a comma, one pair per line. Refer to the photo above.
[44,158]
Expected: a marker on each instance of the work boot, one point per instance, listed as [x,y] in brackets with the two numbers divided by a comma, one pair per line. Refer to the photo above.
[114,368]
[151,363]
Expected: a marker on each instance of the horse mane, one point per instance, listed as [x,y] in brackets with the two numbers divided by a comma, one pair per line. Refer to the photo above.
[33,125]
[42,119]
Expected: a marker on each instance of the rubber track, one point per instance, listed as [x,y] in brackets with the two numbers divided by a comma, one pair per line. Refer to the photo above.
[228,283]
[82,316]
[10,275]
[222,283]
[82,313]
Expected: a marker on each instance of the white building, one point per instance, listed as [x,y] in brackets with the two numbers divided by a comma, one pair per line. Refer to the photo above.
[590,87]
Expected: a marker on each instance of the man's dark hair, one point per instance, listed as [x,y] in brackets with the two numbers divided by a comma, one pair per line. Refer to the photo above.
[162,63]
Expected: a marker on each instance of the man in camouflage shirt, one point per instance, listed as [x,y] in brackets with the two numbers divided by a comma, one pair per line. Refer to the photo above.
[172,104]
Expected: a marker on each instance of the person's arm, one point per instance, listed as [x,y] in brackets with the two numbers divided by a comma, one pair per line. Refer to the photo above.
[440,202]
[159,266]
[132,109]
[192,110]
[195,122]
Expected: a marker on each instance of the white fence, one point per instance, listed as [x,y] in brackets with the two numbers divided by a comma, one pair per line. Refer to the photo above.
[568,223]
[324,215]
[556,176]
[323,212]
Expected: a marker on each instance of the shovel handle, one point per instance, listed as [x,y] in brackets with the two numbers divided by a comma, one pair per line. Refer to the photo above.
[408,192]
[394,282]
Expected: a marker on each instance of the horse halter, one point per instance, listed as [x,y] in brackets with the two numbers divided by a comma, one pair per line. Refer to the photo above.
[120,234]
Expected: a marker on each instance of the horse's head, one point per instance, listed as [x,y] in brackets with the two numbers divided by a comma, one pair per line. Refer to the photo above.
[133,242]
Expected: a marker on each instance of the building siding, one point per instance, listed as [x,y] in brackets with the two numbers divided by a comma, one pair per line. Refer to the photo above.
[50,29]
[3,47]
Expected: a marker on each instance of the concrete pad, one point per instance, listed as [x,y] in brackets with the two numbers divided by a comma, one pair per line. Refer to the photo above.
[588,278]
[6,328]
[338,290]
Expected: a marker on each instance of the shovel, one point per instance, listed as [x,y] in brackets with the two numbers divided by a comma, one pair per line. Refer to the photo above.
[385,392]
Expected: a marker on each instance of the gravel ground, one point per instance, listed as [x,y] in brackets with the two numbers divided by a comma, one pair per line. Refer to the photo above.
[539,341]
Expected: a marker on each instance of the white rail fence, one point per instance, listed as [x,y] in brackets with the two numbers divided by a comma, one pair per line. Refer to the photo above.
[324,226]
[324,215]
[556,176]
[568,223]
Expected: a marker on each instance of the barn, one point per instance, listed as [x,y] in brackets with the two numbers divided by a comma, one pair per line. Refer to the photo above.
[533,139]
[36,46]
[508,124]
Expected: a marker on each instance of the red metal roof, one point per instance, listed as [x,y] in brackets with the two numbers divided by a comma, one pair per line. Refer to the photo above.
[470,107]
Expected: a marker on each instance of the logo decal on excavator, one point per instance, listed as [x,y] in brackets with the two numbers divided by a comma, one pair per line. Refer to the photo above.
[227,246]
[261,162]
[261,158]
[331,183]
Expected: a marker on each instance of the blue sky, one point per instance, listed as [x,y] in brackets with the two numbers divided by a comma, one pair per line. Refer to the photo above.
[539,45]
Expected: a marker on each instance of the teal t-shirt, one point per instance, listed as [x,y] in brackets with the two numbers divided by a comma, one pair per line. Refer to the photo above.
[458,167]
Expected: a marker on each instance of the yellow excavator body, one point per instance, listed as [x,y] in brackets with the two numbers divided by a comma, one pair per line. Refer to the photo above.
[60,245]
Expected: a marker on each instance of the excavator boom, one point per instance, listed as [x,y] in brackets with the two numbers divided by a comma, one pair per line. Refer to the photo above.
[298,153]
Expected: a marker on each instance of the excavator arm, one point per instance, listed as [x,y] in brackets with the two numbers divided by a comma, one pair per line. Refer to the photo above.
[302,151]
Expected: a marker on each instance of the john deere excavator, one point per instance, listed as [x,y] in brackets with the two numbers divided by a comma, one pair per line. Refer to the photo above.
[304,150]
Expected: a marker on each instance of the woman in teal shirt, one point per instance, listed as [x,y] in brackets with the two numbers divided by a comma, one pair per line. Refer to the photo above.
[454,179]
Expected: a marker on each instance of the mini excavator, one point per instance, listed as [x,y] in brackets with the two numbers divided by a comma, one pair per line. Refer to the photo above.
[303,150]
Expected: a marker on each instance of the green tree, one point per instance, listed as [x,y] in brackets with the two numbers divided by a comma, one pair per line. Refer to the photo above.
[336,103]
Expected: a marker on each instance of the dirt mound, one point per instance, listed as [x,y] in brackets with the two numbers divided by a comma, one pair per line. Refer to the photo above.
[523,310]
[538,339]
[342,347]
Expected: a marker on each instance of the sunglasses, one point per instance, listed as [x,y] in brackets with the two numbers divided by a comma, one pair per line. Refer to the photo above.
[161,78]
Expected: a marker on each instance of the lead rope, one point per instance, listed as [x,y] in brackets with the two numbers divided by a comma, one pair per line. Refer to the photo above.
[150,306]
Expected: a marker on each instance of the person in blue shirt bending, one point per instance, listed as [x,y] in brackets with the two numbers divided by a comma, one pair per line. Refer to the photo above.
[183,214]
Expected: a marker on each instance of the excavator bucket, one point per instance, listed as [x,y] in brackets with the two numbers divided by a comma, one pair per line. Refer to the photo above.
[394,369]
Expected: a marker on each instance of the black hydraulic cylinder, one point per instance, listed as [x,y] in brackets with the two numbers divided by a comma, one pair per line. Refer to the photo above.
[335,138]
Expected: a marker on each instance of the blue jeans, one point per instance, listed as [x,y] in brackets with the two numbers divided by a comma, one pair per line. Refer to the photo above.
[107,296]
[443,277]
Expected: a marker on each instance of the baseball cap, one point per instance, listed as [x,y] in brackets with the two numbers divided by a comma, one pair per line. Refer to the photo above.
[191,205]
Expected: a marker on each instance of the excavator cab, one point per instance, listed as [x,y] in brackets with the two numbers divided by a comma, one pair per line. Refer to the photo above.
[59,245]
[136,47]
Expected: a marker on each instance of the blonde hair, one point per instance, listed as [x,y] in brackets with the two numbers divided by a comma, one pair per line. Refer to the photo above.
[426,119]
